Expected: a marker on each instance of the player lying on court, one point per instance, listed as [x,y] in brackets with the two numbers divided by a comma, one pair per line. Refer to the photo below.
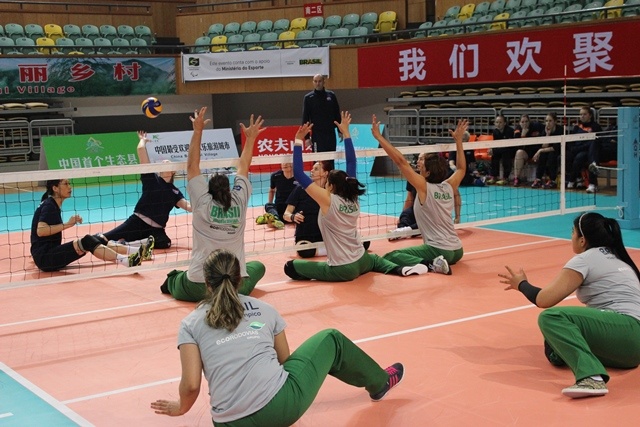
[607,331]
[253,378]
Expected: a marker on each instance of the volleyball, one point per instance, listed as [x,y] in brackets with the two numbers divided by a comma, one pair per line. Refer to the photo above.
[151,107]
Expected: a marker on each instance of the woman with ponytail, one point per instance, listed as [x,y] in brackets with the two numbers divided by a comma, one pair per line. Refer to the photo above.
[219,216]
[607,331]
[240,344]
[47,249]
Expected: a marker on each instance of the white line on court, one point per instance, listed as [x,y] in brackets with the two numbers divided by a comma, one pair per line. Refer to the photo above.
[6,415]
[374,338]
[60,407]
[265,285]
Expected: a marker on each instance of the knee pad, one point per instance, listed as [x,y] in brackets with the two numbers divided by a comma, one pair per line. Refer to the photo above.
[290,271]
[89,243]
[307,253]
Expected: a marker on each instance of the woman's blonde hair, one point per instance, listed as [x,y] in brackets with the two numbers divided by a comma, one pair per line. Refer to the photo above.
[222,277]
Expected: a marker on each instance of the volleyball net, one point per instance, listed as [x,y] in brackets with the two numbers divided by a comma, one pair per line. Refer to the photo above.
[105,197]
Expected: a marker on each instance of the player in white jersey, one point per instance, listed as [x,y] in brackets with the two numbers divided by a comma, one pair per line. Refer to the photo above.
[338,221]
[607,331]
[434,203]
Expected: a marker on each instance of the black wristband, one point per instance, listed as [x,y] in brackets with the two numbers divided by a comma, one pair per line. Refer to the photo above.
[529,291]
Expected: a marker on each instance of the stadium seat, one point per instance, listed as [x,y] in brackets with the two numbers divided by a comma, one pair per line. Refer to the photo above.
[528,5]
[84,45]
[144,32]
[484,23]
[340,36]
[72,31]
[281,25]
[481,9]
[108,32]
[231,28]
[631,11]
[26,46]
[550,16]
[512,6]
[202,45]
[350,21]
[252,40]
[90,31]
[46,45]
[8,46]
[470,24]
[387,22]
[369,20]
[332,22]
[517,19]
[315,23]
[450,14]
[499,22]
[611,13]
[534,17]
[14,31]
[453,27]
[497,6]
[219,43]
[590,16]
[287,38]
[248,27]
[466,11]
[235,43]
[304,37]
[215,30]
[362,33]
[298,25]
[33,31]
[572,15]
[438,28]
[126,32]
[268,40]
[550,3]
[265,26]
[65,45]
[2,31]
[322,36]
[140,46]
[123,46]
[53,31]
[422,33]
[102,45]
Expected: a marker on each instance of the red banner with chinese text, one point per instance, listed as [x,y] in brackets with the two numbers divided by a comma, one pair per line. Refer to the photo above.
[587,51]
[312,9]
[273,141]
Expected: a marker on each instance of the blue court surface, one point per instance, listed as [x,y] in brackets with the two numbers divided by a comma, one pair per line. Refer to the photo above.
[22,404]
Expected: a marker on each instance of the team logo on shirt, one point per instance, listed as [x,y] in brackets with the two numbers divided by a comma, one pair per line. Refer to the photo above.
[256,325]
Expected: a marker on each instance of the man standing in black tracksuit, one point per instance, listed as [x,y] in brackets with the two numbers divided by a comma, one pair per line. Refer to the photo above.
[321,108]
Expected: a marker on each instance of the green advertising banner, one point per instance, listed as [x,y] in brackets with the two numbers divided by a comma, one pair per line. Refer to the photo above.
[92,151]
[77,76]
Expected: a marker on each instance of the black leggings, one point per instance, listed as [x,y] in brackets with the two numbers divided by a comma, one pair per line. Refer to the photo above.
[136,229]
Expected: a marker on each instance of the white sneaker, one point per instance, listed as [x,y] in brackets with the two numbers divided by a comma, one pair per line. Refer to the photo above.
[397,234]
[415,269]
[592,188]
[440,265]
[570,184]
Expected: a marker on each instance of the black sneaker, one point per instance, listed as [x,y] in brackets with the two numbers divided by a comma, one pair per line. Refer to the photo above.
[593,168]
[135,259]
[396,372]
[147,249]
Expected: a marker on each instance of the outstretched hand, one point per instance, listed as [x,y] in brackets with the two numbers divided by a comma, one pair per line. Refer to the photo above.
[461,128]
[255,127]
[375,127]
[198,119]
[166,407]
[142,135]
[303,131]
[343,126]
[512,279]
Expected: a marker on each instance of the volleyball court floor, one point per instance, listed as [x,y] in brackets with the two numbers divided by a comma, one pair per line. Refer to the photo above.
[98,351]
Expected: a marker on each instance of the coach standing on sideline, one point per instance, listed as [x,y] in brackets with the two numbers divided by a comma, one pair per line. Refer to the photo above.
[321,109]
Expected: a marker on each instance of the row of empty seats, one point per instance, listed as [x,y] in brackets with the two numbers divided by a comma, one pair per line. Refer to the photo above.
[500,15]
[299,32]
[72,31]
[79,46]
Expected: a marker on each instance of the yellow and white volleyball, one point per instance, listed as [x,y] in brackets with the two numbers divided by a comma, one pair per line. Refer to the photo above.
[151,107]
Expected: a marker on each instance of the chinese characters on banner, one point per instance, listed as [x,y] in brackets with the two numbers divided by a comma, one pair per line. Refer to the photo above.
[586,51]
[274,141]
[312,9]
